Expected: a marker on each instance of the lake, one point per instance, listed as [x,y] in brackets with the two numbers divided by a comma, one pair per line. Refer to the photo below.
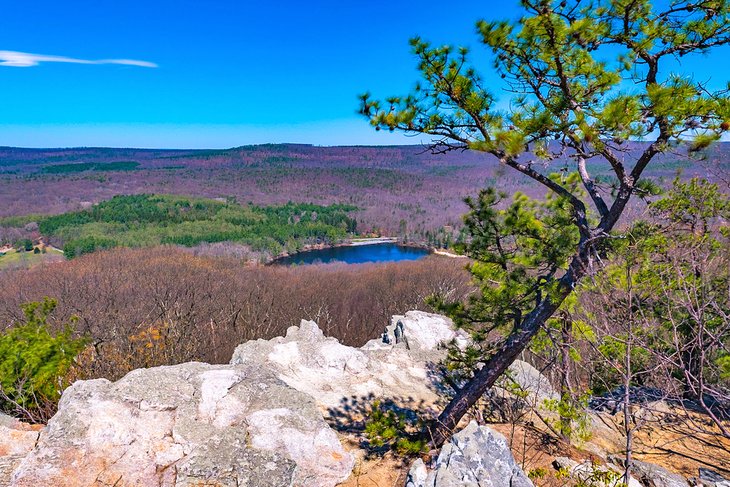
[355,254]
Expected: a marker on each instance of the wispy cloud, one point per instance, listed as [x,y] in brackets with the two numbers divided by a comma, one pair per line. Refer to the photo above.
[26,60]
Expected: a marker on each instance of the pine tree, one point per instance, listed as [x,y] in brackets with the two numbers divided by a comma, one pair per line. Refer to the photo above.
[589,79]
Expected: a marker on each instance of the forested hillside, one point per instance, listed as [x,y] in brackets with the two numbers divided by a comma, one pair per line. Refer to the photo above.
[147,220]
[403,190]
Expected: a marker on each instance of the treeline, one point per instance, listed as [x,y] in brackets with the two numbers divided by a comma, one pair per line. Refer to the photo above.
[90,166]
[147,220]
[158,306]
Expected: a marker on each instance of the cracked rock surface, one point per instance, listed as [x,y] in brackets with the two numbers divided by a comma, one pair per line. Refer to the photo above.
[476,456]
[183,425]
[17,439]
[394,366]
[256,422]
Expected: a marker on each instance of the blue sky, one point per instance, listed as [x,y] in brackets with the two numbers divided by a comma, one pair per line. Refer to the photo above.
[227,72]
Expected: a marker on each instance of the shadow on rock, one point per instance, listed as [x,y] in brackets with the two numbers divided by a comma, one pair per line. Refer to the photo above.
[378,424]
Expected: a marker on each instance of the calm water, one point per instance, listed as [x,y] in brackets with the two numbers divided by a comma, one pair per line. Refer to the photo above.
[358,254]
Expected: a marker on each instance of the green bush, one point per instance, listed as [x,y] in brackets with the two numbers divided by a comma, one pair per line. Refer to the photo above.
[386,429]
[25,244]
[34,363]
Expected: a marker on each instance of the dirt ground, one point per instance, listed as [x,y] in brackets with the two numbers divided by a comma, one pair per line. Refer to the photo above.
[680,442]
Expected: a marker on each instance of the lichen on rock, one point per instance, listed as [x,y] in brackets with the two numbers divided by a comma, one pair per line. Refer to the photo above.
[185,425]
[474,457]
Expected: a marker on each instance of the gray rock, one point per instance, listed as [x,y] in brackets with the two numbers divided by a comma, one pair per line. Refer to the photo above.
[650,475]
[533,381]
[7,421]
[17,439]
[8,463]
[417,474]
[522,388]
[184,425]
[475,457]
[236,465]
[710,478]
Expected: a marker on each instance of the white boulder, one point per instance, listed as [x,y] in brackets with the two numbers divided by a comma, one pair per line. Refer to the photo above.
[185,425]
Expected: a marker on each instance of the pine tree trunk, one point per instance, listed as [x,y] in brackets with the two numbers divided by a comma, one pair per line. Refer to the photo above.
[515,343]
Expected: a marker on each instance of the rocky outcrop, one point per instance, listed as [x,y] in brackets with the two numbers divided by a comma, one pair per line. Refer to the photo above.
[17,439]
[255,422]
[650,475]
[397,365]
[475,456]
[419,332]
[183,425]
[259,421]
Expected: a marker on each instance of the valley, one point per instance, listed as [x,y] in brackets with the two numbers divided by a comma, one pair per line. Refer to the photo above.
[402,191]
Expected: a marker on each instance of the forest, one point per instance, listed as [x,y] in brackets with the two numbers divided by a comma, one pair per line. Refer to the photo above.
[401,190]
[148,220]
[158,279]
[650,324]
[165,305]
[89,166]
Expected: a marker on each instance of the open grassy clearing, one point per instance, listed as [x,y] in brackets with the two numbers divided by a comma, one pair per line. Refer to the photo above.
[13,259]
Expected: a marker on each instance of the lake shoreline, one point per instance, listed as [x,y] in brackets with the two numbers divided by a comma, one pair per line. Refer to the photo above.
[355,242]
[384,242]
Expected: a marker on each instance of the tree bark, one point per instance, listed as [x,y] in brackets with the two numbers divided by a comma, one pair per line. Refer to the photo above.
[566,394]
[516,342]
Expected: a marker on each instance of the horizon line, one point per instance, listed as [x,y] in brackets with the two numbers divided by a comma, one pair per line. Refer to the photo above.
[303,144]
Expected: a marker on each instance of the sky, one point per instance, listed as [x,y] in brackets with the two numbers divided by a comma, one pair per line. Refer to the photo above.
[215,74]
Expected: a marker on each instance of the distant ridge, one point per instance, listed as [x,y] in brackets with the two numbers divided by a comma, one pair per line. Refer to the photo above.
[401,189]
